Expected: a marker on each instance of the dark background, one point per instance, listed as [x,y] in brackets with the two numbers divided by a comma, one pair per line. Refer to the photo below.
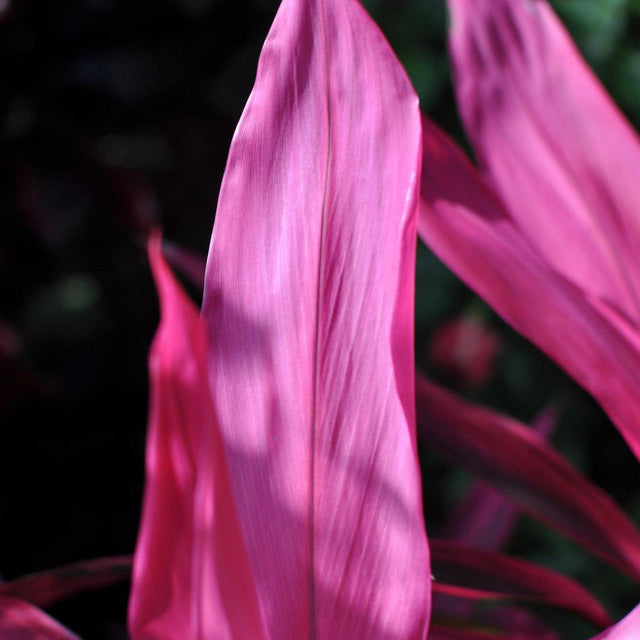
[116,115]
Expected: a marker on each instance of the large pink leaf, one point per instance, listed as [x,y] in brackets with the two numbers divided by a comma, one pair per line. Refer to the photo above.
[46,587]
[22,621]
[562,157]
[191,578]
[471,232]
[627,629]
[489,575]
[529,471]
[309,304]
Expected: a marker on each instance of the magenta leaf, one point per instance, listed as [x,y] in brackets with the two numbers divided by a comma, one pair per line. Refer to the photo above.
[309,305]
[191,577]
[483,518]
[474,574]
[565,163]
[22,621]
[527,470]
[467,227]
[560,154]
[47,587]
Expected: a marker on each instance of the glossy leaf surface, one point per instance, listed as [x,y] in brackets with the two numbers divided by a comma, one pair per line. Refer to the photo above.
[191,577]
[560,154]
[465,224]
[309,304]
[567,166]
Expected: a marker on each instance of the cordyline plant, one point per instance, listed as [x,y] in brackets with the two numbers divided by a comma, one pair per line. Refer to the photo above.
[283,496]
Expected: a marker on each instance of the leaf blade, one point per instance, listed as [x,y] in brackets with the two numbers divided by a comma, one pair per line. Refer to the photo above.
[557,149]
[47,587]
[309,294]
[465,224]
[191,577]
[22,620]
[498,576]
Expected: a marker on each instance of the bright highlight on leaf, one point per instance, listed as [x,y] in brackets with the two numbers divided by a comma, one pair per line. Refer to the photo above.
[560,261]
[308,307]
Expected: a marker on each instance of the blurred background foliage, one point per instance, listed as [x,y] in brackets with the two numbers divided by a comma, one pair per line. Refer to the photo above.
[117,115]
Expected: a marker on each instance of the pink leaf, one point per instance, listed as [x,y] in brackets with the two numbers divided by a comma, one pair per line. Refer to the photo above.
[467,227]
[562,157]
[47,587]
[191,577]
[480,574]
[484,519]
[528,471]
[22,621]
[309,304]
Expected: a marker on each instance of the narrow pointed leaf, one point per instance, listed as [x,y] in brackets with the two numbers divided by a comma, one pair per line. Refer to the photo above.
[527,470]
[191,578]
[47,587]
[467,227]
[22,621]
[484,519]
[627,629]
[495,575]
[560,154]
[309,304]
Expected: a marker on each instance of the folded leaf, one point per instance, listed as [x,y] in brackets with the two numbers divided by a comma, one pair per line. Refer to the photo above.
[309,303]
[528,471]
[560,154]
[22,621]
[191,576]
[47,587]
[495,575]
[463,222]
[627,629]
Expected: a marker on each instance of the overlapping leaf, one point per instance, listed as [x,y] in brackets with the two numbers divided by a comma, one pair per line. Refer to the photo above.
[191,575]
[477,574]
[558,151]
[560,263]
[46,587]
[484,519]
[530,472]
[22,621]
